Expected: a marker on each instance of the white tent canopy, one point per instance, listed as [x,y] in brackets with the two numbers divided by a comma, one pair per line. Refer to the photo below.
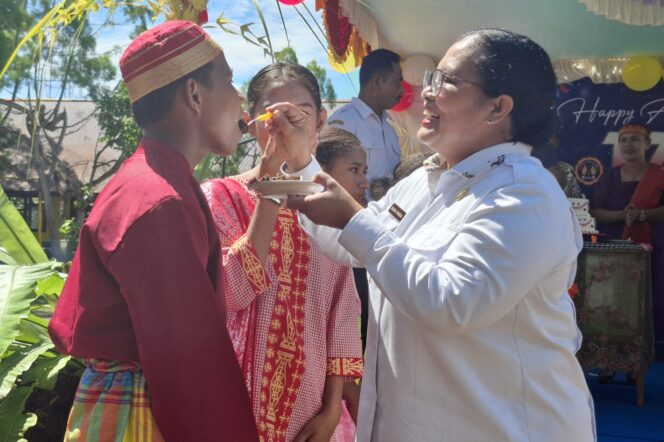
[580,42]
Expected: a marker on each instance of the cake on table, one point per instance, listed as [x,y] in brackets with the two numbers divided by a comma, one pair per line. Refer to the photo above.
[581,207]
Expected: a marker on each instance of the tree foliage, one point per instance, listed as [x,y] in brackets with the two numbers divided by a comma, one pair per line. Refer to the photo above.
[325,84]
[326,89]
[52,68]
[286,54]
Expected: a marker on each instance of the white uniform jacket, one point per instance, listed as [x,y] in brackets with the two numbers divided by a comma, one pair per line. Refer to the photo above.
[472,333]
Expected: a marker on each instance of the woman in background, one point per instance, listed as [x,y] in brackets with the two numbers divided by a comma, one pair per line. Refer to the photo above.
[628,203]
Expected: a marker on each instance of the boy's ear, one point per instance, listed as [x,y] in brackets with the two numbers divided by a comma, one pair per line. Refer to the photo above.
[252,127]
[191,95]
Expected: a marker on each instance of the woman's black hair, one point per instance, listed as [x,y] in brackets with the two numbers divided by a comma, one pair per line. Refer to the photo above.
[280,73]
[334,142]
[512,64]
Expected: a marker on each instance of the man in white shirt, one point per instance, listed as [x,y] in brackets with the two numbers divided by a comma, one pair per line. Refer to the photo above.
[366,117]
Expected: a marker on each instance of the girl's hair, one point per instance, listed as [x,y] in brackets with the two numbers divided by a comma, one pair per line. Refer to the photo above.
[277,74]
[333,143]
[514,65]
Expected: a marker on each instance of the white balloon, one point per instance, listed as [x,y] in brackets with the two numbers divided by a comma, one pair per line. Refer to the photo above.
[413,68]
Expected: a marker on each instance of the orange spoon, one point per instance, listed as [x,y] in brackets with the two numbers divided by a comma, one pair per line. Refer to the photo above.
[265,116]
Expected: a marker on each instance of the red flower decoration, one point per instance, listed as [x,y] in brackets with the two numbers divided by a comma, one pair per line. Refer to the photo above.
[573,291]
[407,97]
[202,17]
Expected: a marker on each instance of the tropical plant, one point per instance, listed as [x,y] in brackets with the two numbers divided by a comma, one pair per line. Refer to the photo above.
[67,60]
[29,288]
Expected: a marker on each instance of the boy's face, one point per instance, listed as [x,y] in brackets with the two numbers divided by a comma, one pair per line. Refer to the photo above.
[350,171]
[222,109]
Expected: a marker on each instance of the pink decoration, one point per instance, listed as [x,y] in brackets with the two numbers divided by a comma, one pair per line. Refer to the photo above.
[407,98]
[291,2]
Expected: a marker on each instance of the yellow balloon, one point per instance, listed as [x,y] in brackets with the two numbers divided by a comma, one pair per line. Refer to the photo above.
[343,68]
[641,73]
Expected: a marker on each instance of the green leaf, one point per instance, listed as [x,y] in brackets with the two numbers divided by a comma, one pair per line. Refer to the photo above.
[16,294]
[15,235]
[51,285]
[13,422]
[45,371]
[6,258]
[16,363]
[34,330]
[267,31]
[35,31]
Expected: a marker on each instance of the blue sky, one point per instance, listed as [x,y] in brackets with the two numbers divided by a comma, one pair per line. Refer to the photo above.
[244,58]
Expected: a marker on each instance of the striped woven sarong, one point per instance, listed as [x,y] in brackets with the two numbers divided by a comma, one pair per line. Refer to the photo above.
[112,404]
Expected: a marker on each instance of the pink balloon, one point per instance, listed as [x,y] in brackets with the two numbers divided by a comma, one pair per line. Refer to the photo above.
[291,2]
[407,98]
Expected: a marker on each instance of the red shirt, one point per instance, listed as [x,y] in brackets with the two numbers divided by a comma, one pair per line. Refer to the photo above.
[142,288]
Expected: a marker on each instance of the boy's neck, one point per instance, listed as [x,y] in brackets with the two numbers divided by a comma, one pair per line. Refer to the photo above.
[179,138]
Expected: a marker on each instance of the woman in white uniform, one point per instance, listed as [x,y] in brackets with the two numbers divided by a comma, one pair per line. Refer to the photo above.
[472,333]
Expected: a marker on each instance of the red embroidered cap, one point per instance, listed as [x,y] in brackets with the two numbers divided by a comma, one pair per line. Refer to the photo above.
[163,54]
[634,128]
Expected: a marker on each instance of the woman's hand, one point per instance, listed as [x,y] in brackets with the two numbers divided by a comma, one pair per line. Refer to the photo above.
[334,207]
[293,137]
[631,214]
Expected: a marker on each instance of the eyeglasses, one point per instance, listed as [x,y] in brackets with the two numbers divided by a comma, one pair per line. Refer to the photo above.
[436,78]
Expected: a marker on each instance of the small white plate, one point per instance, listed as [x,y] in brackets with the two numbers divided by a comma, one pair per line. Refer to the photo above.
[284,188]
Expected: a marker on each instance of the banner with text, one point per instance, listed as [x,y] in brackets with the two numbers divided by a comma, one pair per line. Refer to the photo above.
[591,115]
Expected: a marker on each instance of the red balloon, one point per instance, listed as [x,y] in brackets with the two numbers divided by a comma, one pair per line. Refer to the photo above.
[407,97]
[291,2]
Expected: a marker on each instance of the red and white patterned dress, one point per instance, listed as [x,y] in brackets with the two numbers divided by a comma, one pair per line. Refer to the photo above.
[293,322]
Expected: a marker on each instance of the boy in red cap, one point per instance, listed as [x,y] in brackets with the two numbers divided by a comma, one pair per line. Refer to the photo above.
[140,304]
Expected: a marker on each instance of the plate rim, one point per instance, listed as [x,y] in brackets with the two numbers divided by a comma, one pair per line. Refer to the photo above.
[287,183]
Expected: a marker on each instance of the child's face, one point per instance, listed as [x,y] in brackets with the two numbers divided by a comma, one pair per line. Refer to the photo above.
[350,171]
[293,93]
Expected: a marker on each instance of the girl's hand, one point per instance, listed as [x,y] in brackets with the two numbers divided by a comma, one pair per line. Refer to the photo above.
[351,395]
[321,427]
[270,161]
[292,134]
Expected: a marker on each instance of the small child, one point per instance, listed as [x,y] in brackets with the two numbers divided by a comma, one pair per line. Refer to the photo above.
[341,155]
